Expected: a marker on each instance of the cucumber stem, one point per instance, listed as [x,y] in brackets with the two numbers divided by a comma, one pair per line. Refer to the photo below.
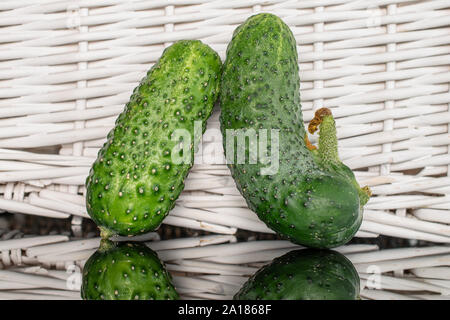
[328,143]
[105,233]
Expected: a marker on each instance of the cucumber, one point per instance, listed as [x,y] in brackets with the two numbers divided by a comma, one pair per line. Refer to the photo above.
[305,274]
[306,195]
[140,170]
[126,271]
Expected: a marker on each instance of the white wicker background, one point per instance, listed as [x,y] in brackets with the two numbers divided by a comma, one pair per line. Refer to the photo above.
[68,67]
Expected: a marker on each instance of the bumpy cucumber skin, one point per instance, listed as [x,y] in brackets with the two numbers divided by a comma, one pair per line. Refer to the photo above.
[307,201]
[134,183]
[126,271]
[305,274]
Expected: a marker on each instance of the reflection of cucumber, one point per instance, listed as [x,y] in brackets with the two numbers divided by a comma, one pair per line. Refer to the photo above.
[304,275]
[126,271]
[134,182]
[312,198]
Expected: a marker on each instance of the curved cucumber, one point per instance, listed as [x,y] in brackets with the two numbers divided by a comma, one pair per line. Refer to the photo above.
[308,195]
[140,170]
[126,271]
[304,274]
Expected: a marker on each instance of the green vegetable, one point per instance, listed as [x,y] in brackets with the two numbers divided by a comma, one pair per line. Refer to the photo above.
[305,274]
[140,170]
[311,198]
[126,271]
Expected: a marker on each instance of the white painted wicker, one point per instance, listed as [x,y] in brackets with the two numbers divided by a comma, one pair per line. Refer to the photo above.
[68,67]
[215,267]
